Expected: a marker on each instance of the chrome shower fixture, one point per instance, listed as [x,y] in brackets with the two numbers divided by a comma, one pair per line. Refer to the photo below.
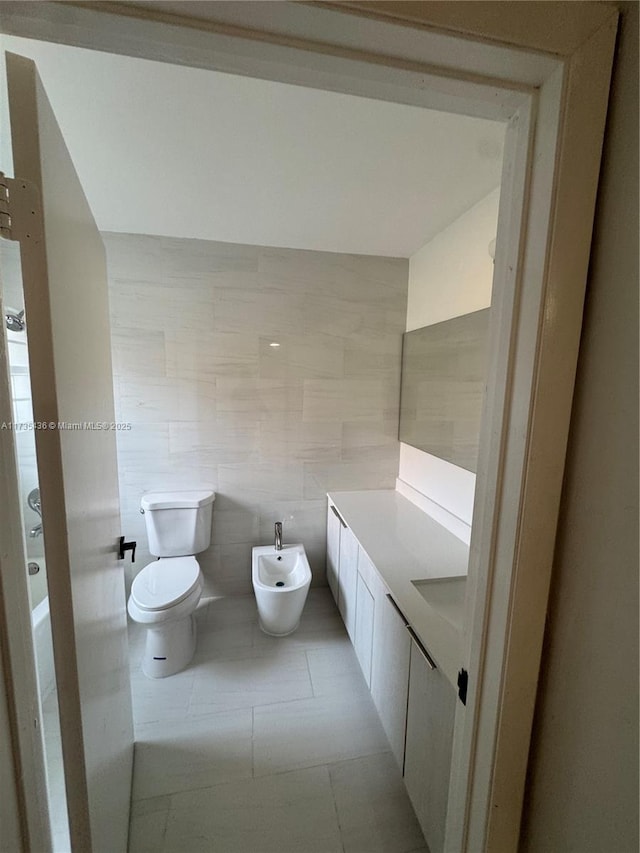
[15,320]
[33,499]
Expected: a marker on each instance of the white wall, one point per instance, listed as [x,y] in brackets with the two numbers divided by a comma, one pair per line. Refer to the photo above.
[449,276]
[453,273]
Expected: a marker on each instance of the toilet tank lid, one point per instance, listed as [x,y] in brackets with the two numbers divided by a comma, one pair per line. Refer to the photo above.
[177,500]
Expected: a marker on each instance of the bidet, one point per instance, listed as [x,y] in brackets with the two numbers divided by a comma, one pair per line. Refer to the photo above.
[281,580]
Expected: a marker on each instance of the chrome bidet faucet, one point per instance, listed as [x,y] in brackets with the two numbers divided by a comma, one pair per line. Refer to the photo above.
[278,542]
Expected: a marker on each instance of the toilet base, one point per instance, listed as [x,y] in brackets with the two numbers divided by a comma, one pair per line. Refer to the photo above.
[170,646]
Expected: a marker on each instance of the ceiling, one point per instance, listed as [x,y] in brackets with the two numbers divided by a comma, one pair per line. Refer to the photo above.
[185,152]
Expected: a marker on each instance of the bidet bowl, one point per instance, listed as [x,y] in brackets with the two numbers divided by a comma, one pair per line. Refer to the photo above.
[281,581]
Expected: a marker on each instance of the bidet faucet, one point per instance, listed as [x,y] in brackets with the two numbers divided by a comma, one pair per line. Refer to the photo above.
[278,542]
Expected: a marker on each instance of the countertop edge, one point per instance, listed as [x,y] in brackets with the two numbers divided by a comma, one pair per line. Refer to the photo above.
[442,639]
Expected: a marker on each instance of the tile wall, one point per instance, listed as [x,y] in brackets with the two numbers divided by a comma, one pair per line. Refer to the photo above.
[212,402]
[24,435]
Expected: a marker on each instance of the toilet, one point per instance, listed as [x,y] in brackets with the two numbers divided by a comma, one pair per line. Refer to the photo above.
[165,594]
[281,579]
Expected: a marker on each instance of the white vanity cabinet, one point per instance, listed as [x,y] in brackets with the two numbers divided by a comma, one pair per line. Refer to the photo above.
[390,669]
[429,739]
[383,556]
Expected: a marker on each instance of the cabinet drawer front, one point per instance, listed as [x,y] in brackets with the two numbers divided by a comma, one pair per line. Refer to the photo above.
[364,628]
[348,579]
[368,571]
[430,718]
[390,670]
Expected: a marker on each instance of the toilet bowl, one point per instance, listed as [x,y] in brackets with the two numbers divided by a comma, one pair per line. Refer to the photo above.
[165,594]
[281,580]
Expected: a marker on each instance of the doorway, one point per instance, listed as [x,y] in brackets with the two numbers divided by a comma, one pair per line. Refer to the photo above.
[505,359]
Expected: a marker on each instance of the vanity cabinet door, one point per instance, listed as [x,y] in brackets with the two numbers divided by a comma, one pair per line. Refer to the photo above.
[333,550]
[427,766]
[348,579]
[364,628]
[390,669]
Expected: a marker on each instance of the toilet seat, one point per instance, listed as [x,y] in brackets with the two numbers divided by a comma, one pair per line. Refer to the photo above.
[165,583]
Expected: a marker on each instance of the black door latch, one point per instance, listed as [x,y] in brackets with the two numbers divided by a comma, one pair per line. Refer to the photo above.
[463,681]
[127,546]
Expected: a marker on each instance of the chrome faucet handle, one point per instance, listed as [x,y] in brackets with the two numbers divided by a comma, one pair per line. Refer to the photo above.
[33,499]
[278,536]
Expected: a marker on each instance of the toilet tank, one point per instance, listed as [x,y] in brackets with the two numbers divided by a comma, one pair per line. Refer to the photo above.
[178,523]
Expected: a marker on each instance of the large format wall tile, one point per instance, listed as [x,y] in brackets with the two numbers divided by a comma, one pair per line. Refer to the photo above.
[209,355]
[138,352]
[220,440]
[213,404]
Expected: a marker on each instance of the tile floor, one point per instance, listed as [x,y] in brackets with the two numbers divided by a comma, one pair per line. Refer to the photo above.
[265,745]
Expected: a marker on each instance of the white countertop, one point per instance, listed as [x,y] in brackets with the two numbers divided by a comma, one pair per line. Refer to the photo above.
[405,544]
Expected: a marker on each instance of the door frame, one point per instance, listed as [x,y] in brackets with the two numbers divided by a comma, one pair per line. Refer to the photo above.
[546,71]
